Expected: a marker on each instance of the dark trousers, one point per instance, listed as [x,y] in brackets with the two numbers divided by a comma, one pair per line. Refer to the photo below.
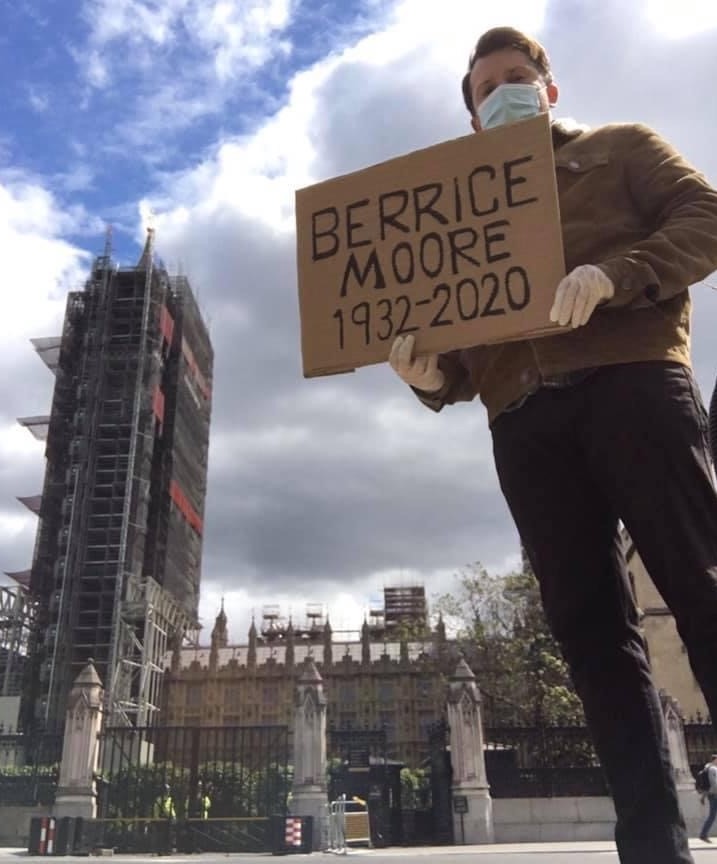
[711,815]
[629,442]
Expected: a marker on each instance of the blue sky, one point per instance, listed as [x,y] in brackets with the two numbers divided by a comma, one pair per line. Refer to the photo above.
[67,82]
[204,116]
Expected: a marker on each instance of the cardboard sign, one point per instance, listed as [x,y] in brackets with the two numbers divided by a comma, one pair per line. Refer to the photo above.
[459,244]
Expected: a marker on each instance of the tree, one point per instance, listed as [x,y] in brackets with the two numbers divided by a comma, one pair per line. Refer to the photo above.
[501,629]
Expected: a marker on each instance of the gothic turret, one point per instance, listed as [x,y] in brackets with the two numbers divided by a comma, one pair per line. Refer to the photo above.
[289,653]
[251,650]
[328,655]
[365,643]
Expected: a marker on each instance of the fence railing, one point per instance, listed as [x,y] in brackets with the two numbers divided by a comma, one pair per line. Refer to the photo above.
[29,769]
[701,743]
[185,772]
[542,762]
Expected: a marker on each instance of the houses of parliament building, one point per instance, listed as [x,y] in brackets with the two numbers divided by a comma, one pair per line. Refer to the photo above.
[392,674]
[389,675]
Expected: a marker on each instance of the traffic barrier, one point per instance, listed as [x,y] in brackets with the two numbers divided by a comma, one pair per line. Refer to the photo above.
[67,835]
[52,836]
[291,834]
[337,826]
[348,823]
[33,845]
[42,835]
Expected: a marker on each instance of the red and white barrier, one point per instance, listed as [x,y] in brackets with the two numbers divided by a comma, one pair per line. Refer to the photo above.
[292,832]
[47,835]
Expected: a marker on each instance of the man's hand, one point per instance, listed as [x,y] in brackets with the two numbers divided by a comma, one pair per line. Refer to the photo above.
[419,372]
[579,294]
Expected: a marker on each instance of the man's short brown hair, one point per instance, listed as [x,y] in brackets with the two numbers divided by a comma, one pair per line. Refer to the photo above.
[498,39]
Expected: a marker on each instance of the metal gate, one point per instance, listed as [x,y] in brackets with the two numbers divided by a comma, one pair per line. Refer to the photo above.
[191,789]
[441,782]
[361,772]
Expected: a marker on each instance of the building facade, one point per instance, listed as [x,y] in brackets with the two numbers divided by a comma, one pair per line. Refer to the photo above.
[375,678]
[668,656]
[121,512]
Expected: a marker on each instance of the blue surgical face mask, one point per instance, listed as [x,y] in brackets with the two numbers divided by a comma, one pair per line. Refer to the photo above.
[509,103]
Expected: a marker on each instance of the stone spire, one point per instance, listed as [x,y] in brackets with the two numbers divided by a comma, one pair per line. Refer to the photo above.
[251,651]
[289,652]
[145,260]
[219,633]
[365,643]
[328,654]
[219,638]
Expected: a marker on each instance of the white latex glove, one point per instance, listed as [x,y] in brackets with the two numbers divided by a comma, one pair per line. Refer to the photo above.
[578,295]
[419,372]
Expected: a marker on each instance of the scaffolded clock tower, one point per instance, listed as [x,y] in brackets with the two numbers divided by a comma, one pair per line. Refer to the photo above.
[117,563]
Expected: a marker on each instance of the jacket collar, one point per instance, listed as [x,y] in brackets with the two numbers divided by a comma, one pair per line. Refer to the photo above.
[565,129]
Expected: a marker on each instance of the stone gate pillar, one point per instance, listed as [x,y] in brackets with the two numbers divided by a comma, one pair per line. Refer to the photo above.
[309,786]
[76,791]
[472,810]
[676,741]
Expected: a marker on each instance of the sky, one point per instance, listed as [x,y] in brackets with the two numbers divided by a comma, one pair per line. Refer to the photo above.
[202,117]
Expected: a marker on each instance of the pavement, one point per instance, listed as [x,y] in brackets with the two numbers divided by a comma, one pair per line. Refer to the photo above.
[594,852]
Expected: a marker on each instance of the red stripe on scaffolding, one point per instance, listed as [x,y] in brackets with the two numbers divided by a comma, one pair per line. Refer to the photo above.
[186,509]
[166,324]
[196,374]
[158,404]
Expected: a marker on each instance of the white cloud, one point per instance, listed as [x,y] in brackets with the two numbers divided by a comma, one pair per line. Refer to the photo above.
[680,20]
[38,100]
[37,262]
[38,268]
[232,35]
[256,175]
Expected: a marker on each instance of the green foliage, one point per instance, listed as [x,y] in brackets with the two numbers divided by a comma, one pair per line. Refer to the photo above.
[499,622]
[415,788]
[235,789]
[30,771]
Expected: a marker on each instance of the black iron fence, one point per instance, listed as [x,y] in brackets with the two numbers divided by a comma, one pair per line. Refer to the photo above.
[29,769]
[701,742]
[542,762]
[192,788]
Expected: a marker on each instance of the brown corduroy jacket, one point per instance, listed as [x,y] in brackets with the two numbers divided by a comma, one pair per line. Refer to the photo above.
[632,205]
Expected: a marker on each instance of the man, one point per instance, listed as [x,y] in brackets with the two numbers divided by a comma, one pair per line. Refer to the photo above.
[711,796]
[197,808]
[164,816]
[603,422]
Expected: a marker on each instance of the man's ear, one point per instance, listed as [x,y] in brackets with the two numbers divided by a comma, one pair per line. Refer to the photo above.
[553,93]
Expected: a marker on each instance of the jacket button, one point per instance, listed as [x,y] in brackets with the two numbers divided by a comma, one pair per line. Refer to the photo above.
[574,164]
[526,376]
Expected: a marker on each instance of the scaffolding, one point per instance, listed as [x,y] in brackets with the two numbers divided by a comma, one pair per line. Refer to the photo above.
[17,613]
[149,621]
[118,553]
[404,612]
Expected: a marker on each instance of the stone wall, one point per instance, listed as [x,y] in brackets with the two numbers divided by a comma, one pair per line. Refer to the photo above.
[536,820]
[15,824]
[553,820]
